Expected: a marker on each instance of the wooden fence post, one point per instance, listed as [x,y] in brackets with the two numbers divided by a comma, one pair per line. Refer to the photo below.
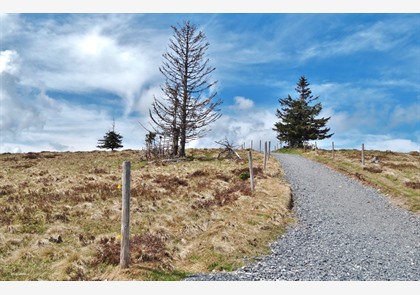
[125,218]
[363,154]
[265,154]
[251,144]
[260,145]
[332,150]
[251,171]
[269,149]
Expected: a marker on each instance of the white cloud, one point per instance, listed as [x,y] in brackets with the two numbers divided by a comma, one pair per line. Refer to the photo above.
[382,142]
[94,44]
[356,107]
[395,144]
[253,125]
[79,55]
[351,129]
[146,98]
[33,121]
[395,83]
[70,127]
[100,64]
[381,36]
[349,121]
[10,23]
[9,62]
[91,53]
[243,103]
[386,142]
[339,121]
[408,115]
[17,111]
[349,94]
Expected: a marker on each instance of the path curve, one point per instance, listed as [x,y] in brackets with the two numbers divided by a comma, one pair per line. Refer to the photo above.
[345,232]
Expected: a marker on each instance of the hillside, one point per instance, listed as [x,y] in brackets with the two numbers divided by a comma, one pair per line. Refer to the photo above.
[60,215]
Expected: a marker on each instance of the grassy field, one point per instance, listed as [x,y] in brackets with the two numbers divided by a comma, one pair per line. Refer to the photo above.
[396,175]
[60,215]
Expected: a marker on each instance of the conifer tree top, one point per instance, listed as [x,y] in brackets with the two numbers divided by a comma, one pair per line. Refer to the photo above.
[299,120]
[111,140]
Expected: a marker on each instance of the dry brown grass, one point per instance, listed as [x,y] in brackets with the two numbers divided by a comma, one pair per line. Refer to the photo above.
[60,215]
[396,174]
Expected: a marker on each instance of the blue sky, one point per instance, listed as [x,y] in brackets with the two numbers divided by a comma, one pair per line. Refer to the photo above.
[65,76]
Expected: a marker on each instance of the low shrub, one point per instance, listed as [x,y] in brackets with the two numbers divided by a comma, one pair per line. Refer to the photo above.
[244,175]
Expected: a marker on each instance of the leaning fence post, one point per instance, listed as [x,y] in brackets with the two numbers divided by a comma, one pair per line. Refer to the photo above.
[332,150]
[125,218]
[251,171]
[363,154]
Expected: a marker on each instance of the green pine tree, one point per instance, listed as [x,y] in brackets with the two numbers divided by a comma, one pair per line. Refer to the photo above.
[111,140]
[298,119]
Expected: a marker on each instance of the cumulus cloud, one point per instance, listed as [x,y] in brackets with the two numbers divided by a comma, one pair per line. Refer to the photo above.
[70,127]
[254,125]
[355,138]
[343,122]
[386,142]
[403,145]
[9,62]
[85,54]
[18,112]
[75,55]
[146,98]
[243,103]
[31,120]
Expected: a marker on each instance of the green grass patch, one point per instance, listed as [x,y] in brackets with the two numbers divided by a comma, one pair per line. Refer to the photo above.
[289,151]
[27,268]
[221,266]
[252,222]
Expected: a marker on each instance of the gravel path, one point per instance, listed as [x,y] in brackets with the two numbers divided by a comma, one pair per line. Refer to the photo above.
[346,232]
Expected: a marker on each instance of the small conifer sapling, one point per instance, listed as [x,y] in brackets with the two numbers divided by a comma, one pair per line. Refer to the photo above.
[111,140]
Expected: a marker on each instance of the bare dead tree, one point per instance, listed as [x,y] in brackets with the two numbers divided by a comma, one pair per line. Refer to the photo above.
[151,149]
[190,106]
[156,145]
[164,115]
[228,151]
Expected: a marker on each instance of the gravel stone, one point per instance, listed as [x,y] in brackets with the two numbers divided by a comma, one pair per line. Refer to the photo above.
[345,232]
